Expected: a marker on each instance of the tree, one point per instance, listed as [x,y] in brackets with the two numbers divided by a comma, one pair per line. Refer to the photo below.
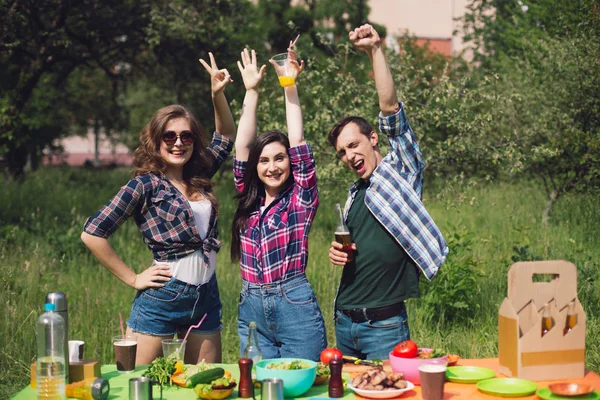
[546,57]
[49,39]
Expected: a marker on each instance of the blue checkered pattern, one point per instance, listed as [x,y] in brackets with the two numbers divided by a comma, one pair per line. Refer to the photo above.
[394,196]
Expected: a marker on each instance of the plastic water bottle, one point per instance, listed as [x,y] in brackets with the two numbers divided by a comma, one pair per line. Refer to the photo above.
[252,351]
[50,332]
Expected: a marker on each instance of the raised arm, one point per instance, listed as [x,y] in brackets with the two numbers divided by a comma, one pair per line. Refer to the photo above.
[293,112]
[219,78]
[252,77]
[367,39]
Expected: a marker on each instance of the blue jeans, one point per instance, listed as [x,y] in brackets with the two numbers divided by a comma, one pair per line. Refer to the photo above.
[175,307]
[370,340]
[287,316]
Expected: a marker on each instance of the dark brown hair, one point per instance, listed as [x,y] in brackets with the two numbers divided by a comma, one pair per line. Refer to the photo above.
[249,199]
[363,125]
[196,172]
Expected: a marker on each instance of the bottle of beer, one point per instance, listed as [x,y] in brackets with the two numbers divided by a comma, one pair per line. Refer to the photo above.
[342,234]
[547,322]
[571,318]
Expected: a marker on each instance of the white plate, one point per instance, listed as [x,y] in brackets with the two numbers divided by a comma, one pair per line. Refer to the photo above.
[381,394]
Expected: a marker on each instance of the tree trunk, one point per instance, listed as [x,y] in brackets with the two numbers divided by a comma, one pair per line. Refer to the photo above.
[96,143]
[549,204]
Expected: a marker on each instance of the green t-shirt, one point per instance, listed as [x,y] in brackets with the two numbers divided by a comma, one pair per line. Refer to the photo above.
[382,273]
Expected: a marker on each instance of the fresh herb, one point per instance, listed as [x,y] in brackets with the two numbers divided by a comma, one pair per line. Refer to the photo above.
[161,370]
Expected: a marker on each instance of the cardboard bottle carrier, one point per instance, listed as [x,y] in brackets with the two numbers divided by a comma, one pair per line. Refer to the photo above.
[522,350]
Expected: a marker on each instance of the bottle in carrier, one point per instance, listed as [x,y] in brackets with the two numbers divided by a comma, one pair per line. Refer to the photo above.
[547,321]
[50,369]
[571,318]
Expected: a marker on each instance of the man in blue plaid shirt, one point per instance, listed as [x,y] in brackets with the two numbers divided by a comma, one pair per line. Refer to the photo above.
[394,237]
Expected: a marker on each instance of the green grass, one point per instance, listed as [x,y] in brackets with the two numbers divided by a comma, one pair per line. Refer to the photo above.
[40,251]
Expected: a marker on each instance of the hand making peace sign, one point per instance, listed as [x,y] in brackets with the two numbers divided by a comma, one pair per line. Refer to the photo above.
[219,78]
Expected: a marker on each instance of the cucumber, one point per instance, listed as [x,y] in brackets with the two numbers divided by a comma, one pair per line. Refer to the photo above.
[204,377]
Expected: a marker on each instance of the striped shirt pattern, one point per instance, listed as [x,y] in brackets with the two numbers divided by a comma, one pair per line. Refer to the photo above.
[394,196]
[275,241]
[162,214]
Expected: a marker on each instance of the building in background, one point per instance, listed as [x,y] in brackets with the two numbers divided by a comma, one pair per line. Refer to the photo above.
[80,151]
[431,22]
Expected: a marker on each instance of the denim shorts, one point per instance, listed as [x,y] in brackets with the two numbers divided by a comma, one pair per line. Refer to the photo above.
[288,318]
[175,307]
[370,339]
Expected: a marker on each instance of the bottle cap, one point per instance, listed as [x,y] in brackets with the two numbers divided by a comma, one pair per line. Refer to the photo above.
[59,299]
[100,389]
[49,307]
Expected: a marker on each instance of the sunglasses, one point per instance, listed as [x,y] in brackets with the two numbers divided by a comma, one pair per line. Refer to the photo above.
[170,138]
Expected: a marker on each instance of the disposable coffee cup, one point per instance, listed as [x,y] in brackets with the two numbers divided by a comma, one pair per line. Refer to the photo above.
[433,377]
[125,352]
[76,350]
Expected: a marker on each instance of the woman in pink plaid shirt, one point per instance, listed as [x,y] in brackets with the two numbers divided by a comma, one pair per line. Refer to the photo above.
[277,203]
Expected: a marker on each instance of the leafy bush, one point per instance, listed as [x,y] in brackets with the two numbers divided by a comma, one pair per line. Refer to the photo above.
[452,296]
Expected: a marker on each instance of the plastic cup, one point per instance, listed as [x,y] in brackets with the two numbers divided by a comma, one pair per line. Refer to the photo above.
[283,69]
[174,348]
[433,378]
[125,352]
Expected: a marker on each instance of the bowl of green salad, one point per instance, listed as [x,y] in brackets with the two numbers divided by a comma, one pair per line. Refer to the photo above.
[297,374]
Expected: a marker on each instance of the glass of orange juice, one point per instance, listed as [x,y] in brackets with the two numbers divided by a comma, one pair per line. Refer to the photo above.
[283,69]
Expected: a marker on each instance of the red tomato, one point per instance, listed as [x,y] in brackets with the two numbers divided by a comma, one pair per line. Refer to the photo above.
[406,349]
[329,354]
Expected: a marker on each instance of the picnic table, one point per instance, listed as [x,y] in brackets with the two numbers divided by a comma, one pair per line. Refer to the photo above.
[119,385]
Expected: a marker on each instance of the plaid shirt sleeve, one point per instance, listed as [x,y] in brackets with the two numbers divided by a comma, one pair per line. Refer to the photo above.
[304,172]
[404,147]
[220,147]
[118,210]
[239,169]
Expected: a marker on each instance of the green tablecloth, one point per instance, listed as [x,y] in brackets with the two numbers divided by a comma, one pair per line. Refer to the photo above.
[119,386]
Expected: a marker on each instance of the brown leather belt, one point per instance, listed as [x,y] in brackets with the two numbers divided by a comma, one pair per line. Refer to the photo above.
[374,314]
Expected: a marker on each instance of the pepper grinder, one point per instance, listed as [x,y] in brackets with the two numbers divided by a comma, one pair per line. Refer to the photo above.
[336,386]
[246,387]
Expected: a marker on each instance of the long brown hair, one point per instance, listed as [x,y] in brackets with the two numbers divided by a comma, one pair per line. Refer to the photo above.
[196,172]
[248,200]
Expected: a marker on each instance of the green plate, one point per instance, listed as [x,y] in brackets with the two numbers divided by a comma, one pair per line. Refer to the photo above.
[507,387]
[468,374]
[546,394]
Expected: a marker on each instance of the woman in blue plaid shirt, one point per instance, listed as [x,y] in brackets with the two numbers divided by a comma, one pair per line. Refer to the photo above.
[171,201]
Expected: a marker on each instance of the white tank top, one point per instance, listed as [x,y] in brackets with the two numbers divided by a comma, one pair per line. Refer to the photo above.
[191,268]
